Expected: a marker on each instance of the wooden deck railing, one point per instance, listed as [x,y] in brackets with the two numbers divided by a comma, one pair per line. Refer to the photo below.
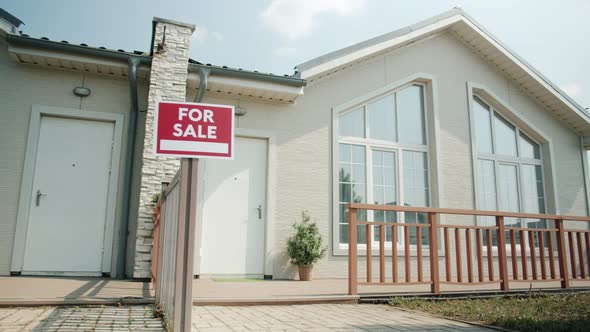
[539,248]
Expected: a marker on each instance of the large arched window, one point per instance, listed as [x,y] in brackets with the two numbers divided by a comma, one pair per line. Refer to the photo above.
[509,166]
[382,159]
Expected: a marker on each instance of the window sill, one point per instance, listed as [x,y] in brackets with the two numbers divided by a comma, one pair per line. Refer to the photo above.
[343,251]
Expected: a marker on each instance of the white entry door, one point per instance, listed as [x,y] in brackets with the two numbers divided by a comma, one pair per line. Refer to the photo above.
[67,215]
[232,236]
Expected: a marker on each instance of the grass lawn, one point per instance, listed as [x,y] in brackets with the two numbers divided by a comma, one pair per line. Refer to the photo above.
[537,312]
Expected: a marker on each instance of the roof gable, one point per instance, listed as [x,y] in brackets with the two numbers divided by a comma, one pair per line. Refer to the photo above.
[475,37]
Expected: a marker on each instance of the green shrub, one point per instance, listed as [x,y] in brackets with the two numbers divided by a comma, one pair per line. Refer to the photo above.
[306,245]
[155,197]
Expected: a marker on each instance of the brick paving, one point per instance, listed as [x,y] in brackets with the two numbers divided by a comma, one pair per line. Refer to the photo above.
[96,318]
[320,317]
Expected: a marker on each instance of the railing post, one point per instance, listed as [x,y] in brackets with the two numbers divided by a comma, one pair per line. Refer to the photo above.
[502,260]
[352,251]
[434,273]
[561,254]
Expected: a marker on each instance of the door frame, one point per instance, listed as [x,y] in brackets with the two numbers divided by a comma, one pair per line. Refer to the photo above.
[270,138]
[26,189]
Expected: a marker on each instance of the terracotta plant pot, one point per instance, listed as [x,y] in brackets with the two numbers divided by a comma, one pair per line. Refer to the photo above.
[305,272]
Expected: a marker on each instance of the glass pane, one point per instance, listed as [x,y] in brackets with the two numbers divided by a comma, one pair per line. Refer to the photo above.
[343,233]
[358,154]
[532,193]
[505,137]
[352,124]
[508,191]
[344,152]
[343,213]
[384,193]
[361,234]
[381,115]
[381,189]
[483,126]
[410,115]
[417,218]
[415,173]
[352,181]
[528,148]
[345,173]
[487,190]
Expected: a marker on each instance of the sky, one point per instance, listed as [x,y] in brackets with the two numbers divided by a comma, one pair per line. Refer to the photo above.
[276,35]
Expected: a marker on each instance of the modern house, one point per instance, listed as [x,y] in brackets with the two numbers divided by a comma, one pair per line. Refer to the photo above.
[437,114]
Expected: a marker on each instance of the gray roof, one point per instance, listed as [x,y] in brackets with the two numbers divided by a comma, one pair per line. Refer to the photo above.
[10,18]
[376,40]
[400,32]
[85,49]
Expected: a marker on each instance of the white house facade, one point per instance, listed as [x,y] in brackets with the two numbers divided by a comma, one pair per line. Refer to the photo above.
[439,114]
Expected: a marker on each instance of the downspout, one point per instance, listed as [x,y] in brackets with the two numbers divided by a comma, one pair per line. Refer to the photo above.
[203,82]
[130,160]
[585,170]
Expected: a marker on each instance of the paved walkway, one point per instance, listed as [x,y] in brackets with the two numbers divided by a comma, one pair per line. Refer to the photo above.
[316,317]
[319,317]
[96,318]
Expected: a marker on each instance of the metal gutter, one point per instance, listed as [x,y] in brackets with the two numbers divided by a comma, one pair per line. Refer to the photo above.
[77,49]
[146,60]
[246,74]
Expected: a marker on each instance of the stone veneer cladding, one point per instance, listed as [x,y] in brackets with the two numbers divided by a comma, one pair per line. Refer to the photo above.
[168,76]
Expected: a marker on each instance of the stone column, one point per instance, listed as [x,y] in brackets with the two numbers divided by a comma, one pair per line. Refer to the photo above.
[168,76]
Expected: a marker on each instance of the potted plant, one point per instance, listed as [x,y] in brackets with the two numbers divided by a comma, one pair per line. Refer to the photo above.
[305,247]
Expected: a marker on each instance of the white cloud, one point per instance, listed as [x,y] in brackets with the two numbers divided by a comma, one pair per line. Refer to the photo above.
[284,51]
[202,35]
[295,18]
[572,89]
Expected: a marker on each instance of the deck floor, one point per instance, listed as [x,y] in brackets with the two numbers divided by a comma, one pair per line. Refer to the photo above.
[209,288]
[87,290]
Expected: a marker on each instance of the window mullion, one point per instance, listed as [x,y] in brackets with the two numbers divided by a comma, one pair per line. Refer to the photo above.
[369,185]
[366,118]
[400,178]
[518,147]
[493,128]
[497,184]
[396,138]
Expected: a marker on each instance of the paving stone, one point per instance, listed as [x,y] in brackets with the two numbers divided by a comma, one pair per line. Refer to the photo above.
[79,319]
[320,317]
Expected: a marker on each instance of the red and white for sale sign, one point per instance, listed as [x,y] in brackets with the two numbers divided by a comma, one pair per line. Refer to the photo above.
[193,130]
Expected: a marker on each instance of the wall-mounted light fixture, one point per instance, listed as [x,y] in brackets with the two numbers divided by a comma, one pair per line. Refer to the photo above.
[81,91]
[239,111]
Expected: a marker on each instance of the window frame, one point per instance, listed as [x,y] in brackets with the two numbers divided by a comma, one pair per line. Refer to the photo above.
[370,145]
[498,160]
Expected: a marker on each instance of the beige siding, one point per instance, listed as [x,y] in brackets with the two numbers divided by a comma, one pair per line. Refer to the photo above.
[303,134]
[23,86]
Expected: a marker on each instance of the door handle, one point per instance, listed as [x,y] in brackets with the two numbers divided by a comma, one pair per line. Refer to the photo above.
[38,198]
[259,211]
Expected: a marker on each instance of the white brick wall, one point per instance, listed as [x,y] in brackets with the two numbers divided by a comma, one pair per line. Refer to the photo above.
[303,139]
[167,82]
